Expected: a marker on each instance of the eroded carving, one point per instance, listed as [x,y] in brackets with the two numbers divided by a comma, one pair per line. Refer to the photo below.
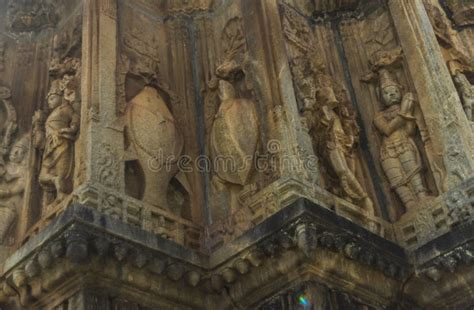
[157,155]
[399,155]
[2,54]
[12,185]
[31,15]
[234,130]
[466,91]
[57,135]
[331,122]
[8,121]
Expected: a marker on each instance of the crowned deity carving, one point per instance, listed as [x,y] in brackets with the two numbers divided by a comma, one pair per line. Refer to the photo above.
[12,185]
[56,138]
[399,155]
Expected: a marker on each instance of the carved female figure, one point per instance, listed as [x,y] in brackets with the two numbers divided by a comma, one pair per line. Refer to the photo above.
[337,137]
[12,185]
[399,155]
[61,127]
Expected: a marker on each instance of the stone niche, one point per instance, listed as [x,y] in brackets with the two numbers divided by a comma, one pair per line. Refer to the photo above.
[36,39]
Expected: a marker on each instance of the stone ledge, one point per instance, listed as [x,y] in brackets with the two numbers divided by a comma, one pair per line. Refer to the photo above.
[82,242]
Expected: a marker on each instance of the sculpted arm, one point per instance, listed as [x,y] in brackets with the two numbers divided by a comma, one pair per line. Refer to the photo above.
[388,127]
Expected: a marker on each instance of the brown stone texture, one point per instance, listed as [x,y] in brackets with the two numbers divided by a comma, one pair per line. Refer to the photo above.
[236,154]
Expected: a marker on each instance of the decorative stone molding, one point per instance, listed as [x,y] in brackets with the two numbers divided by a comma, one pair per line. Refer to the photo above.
[76,242]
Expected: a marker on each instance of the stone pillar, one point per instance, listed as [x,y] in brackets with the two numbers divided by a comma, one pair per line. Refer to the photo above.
[269,52]
[439,102]
[101,135]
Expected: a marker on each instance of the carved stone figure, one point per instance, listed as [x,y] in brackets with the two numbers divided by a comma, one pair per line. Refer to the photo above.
[331,122]
[466,91]
[334,128]
[12,185]
[155,142]
[8,122]
[57,140]
[399,154]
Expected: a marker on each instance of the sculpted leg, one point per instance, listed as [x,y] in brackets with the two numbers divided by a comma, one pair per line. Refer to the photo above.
[395,174]
[349,182]
[410,163]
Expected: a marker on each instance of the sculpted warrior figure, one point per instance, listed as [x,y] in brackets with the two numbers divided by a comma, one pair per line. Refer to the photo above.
[60,130]
[466,91]
[334,128]
[399,155]
[12,185]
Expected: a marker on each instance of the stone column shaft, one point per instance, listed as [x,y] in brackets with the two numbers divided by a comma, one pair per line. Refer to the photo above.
[446,123]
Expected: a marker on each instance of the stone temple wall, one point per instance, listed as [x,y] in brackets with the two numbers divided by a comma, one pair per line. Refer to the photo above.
[236,154]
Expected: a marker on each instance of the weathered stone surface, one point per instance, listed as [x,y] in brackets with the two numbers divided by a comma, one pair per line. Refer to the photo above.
[226,154]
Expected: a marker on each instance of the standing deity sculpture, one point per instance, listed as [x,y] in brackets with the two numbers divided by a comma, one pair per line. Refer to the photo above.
[331,122]
[12,185]
[399,155]
[57,138]
[466,91]
[336,133]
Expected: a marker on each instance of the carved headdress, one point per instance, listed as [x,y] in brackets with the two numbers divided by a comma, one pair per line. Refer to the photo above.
[56,88]
[386,79]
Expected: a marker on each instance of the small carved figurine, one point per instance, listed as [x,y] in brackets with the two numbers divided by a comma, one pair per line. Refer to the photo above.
[399,155]
[12,185]
[60,130]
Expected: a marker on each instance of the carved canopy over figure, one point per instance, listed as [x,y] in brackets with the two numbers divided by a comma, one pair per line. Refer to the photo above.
[57,138]
[12,185]
[399,154]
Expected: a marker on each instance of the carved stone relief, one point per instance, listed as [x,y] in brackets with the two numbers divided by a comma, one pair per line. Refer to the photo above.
[8,121]
[466,92]
[331,122]
[326,112]
[397,122]
[13,165]
[455,54]
[30,16]
[232,119]
[157,155]
[12,185]
[56,130]
[2,54]
[463,11]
